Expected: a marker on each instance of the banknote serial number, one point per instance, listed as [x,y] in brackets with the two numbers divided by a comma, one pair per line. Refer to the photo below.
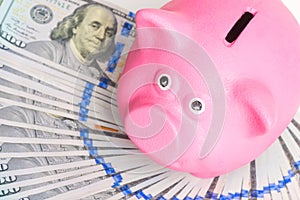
[61,4]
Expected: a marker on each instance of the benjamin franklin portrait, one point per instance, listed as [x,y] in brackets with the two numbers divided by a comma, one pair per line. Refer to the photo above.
[83,37]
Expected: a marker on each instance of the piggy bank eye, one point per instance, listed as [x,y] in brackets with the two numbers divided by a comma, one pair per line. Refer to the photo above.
[164,82]
[197,106]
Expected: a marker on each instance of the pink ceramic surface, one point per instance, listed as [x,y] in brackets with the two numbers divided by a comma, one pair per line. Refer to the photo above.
[245,93]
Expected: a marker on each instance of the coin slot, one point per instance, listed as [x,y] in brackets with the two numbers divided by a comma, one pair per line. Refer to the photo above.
[239,27]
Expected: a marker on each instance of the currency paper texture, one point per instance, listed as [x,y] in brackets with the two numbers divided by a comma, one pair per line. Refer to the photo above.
[60,64]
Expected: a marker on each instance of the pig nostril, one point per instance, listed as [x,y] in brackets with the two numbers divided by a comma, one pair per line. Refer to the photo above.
[197,106]
[164,82]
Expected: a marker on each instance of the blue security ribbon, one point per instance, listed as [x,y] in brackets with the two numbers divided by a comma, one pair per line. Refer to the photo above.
[237,195]
[84,110]
[297,165]
[140,194]
[174,198]
[211,195]
[88,142]
[85,101]
[126,190]
[103,83]
[93,151]
[108,168]
[131,14]
[273,187]
[281,184]
[118,179]
[84,132]
[127,27]
[161,198]
[99,160]
[87,98]
[114,59]
[82,117]
[266,190]
[245,193]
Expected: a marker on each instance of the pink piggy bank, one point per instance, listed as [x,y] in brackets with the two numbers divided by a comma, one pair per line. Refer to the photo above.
[209,85]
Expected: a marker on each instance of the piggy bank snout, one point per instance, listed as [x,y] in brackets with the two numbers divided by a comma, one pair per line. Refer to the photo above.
[150,114]
[154,122]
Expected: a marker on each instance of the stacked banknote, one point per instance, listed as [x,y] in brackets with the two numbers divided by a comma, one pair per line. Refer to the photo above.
[61,136]
[60,64]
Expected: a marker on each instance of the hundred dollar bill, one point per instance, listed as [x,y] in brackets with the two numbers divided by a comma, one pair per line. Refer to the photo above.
[65,107]
[88,37]
[81,43]
[71,154]
[87,45]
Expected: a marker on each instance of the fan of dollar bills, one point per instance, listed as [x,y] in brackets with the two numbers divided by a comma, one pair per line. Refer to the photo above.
[60,133]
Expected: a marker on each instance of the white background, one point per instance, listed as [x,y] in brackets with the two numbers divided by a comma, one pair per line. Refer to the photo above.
[134,5]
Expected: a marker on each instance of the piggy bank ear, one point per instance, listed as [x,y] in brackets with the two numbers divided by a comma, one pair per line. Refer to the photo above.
[256,106]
